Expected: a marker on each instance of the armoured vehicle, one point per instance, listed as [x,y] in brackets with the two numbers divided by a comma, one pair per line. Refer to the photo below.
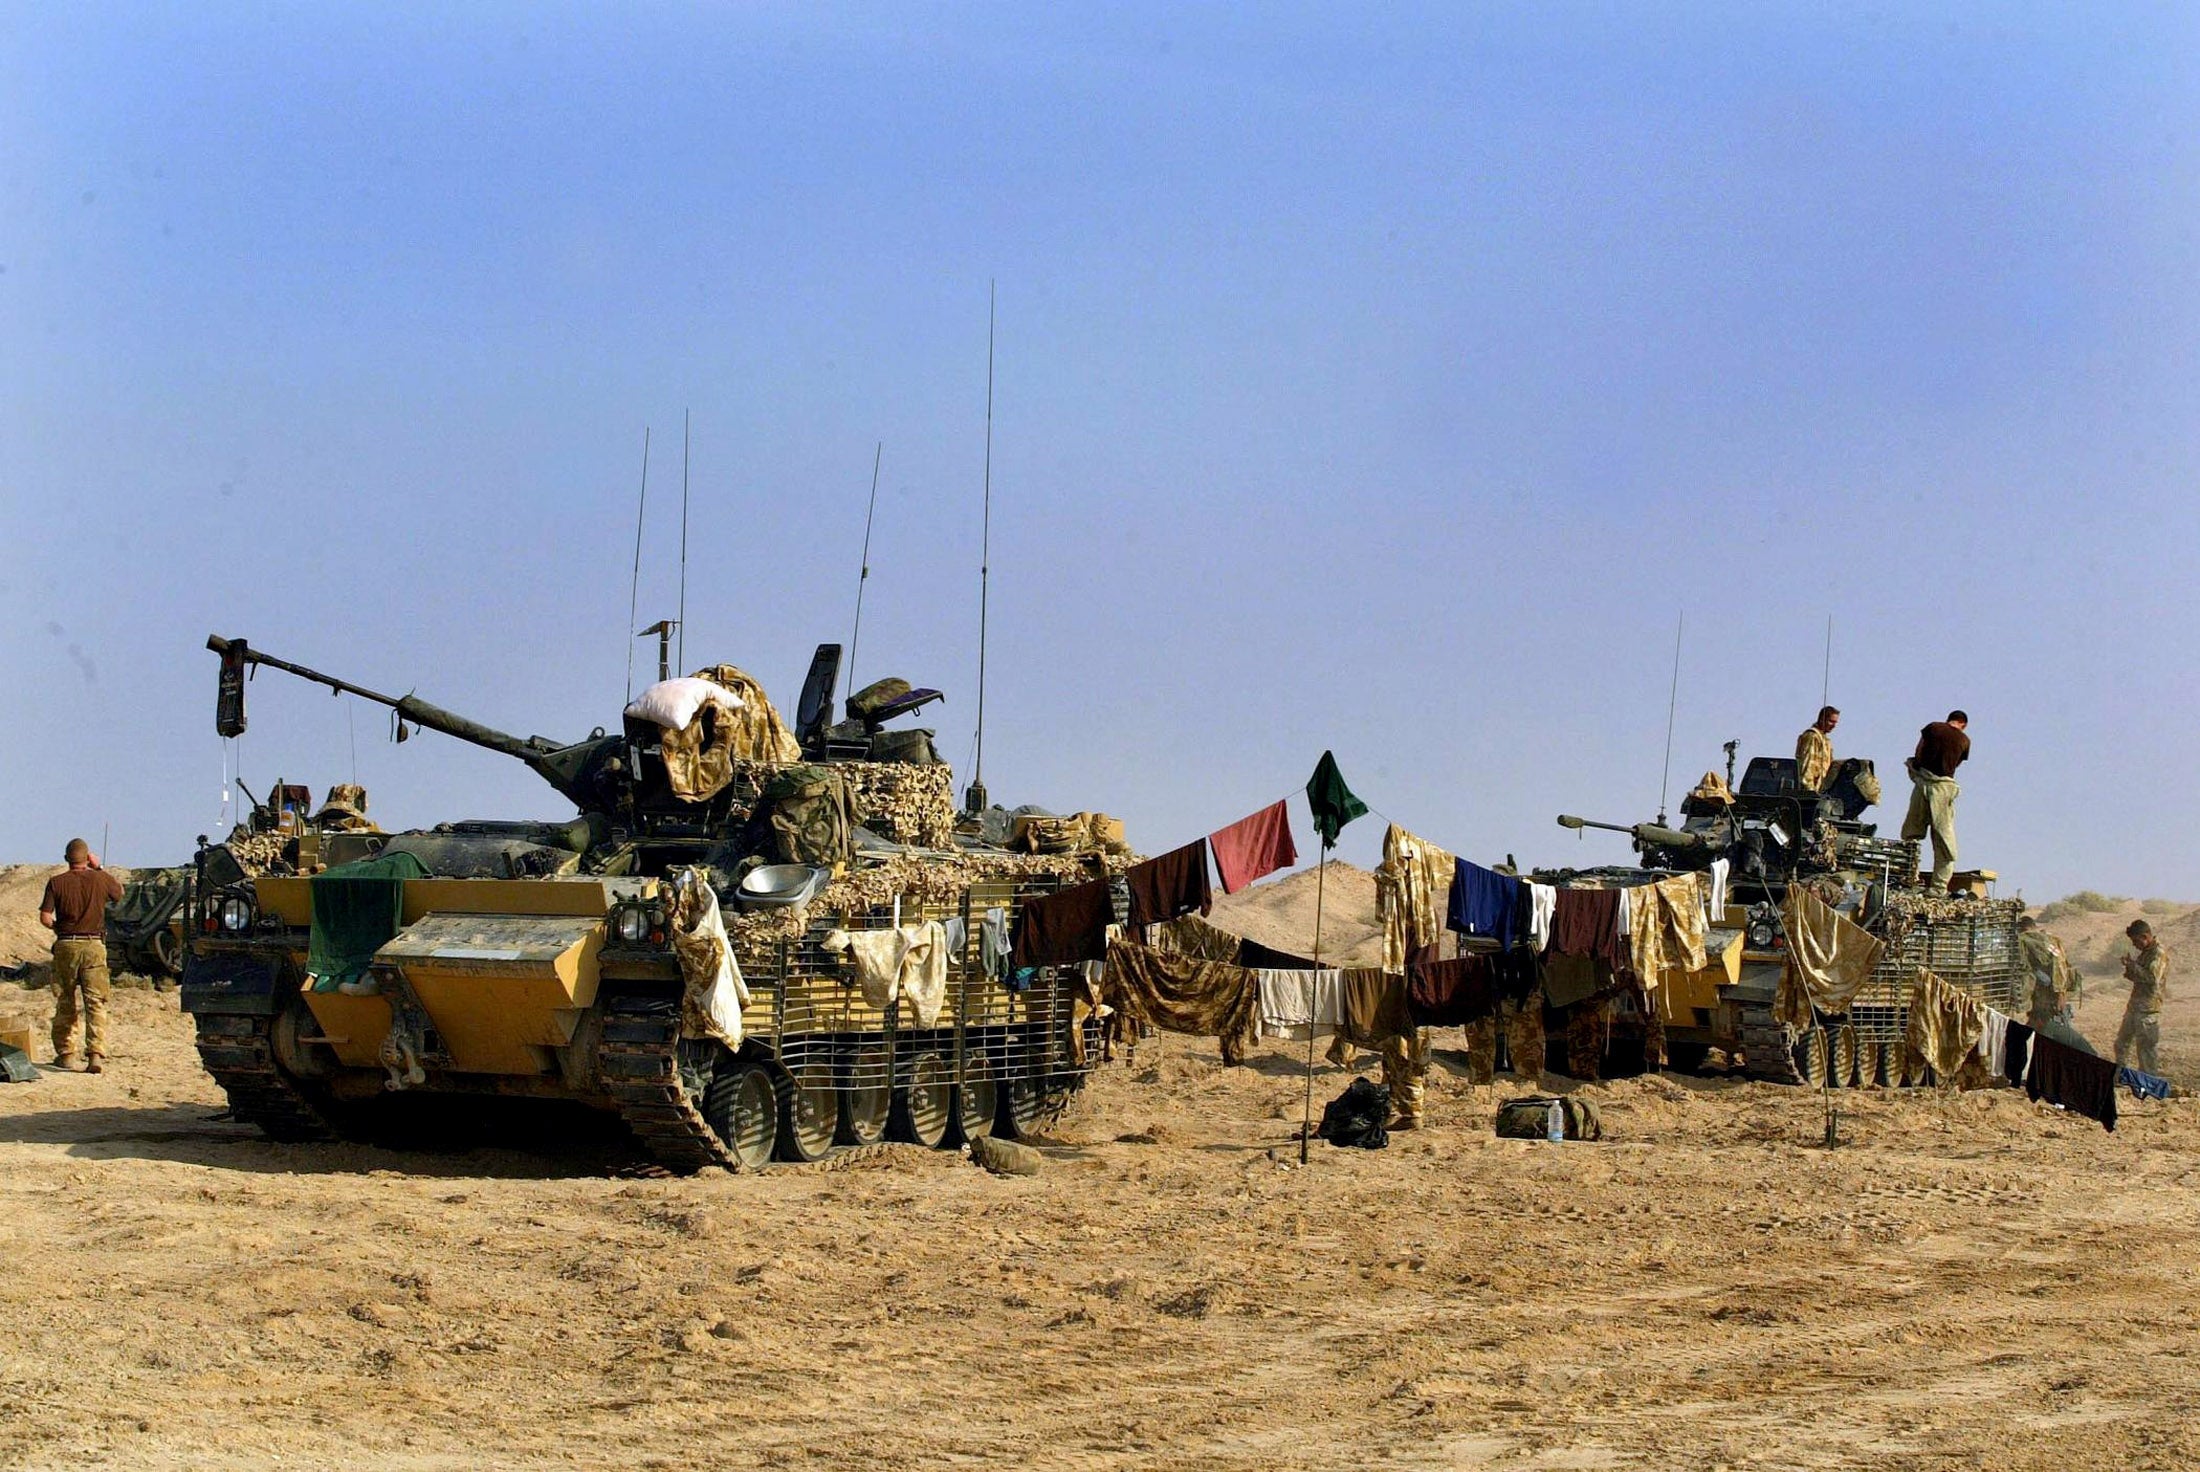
[573,960]
[1773,833]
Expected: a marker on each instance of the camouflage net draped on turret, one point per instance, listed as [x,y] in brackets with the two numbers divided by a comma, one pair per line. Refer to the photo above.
[700,757]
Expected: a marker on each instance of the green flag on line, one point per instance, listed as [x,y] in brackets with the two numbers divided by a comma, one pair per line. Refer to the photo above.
[1332,801]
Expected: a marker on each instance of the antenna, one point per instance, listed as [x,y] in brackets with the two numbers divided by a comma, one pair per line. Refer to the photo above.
[1825,690]
[974,799]
[1672,703]
[683,614]
[634,588]
[853,639]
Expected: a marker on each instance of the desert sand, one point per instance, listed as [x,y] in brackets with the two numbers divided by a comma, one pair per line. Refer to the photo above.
[1968,1281]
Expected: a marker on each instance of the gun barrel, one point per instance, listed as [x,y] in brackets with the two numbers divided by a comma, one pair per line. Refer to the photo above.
[410,707]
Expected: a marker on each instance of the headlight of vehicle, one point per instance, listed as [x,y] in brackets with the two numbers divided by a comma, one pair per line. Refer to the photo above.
[630,924]
[236,913]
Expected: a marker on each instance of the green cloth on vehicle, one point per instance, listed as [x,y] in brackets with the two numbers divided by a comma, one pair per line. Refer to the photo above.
[1332,801]
[357,908]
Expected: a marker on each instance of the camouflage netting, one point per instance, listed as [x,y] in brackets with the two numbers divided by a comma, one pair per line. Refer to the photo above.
[906,802]
[914,879]
[257,853]
[1908,908]
[903,802]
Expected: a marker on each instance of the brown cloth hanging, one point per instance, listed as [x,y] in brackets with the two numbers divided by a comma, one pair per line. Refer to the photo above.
[1374,1007]
[1172,885]
[1065,927]
[1451,993]
[1197,937]
[1153,989]
[1585,922]
[1256,957]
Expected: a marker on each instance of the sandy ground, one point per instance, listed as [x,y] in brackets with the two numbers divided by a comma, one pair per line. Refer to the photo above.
[1972,1281]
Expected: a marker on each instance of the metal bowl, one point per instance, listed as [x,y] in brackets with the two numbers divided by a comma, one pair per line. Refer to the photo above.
[772,885]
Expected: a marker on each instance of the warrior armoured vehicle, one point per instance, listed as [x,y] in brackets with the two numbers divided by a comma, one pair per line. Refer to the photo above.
[582,960]
[1773,832]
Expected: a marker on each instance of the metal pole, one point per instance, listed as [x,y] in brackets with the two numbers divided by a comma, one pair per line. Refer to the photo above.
[1306,1122]
[1672,704]
[985,552]
[683,538]
[856,637]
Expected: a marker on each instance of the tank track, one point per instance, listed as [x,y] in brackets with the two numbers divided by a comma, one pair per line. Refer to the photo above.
[240,1053]
[639,1065]
[1767,1053]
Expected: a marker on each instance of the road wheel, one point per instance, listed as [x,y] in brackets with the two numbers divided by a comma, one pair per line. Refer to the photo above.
[927,1100]
[742,1107]
[866,1094]
[977,1101]
[1844,1057]
[1811,1057]
[809,1109]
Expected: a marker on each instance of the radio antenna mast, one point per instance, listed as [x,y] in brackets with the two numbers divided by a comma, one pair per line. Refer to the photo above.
[1825,690]
[856,637]
[974,798]
[633,591]
[1672,704]
[683,614]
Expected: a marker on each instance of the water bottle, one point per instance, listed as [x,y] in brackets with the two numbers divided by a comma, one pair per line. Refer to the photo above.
[1555,1129]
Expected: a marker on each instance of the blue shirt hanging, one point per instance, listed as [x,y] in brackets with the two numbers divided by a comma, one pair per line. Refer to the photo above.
[1484,902]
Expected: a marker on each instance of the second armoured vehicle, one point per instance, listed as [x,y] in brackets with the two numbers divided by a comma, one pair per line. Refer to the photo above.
[1772,832]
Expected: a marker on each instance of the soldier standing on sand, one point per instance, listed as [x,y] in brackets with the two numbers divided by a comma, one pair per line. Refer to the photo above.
[1814,751]
[1941,748]
[74,908]
[2147,967]
[2054,983]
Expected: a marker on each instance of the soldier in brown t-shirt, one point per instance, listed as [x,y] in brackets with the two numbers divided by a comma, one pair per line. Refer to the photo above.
[74,907]
[1941,748]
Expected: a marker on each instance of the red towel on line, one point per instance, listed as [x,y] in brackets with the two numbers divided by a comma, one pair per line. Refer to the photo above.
[1253,847]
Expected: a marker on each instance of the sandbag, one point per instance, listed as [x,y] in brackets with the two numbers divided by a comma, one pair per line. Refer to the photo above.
[1356,1118]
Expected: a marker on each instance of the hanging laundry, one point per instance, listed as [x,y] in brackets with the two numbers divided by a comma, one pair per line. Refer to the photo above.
[1945,1026]
[1151,988]
[1830,957]
[2076,1081]
[2143,1085]
[1484,902]
[1254,955]
[1199,938]
[1542,902]
[1172,885]
[1300,1005]
[1570,980]
[907,961]
[1254,847]
[1450,993]
[2017,1053]
[1332,802]
[1412,887]
[994,944]
[1993,1044]
[714,991]
[1715,889]
[1374,1006]
[1066,927]
[1665,927]
[1585,923]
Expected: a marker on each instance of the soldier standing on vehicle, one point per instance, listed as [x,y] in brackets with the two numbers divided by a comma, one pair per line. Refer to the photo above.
[2054,983]
[2147,968]
[1941,748]
[74,908]
[1814,751]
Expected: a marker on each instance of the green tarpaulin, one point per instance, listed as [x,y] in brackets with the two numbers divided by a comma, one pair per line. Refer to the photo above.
[1332,801]
[356,909]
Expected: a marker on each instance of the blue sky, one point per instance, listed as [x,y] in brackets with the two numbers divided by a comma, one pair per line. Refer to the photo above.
[1388,382]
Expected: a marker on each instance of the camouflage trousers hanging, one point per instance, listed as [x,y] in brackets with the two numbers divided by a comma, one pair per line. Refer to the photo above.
[1405,1074]
[80,963]
[1522,1024]
[1588,1031]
